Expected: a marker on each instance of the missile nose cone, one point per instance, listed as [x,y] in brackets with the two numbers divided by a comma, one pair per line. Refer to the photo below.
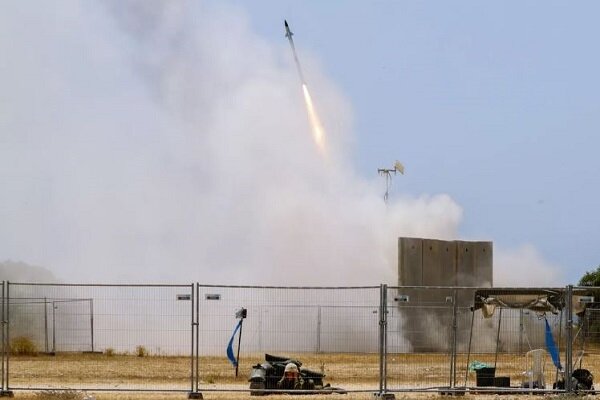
[286,24]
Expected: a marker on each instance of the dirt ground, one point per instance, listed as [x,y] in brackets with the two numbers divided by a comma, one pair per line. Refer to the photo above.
[349,371]
[245,396]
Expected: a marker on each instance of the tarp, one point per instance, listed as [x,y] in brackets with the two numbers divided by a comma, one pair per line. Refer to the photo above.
[230,354]
[551,346]
[537,300]
[475,365]
[537,303]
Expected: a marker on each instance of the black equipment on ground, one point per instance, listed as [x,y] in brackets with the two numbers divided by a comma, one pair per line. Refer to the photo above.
[264,377]
[581,380]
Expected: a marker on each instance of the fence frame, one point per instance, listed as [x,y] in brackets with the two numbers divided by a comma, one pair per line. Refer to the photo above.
[381,306]
[383,311]
[382,390]
[4,327]
[7,390]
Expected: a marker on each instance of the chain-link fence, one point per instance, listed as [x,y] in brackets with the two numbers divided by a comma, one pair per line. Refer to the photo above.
[507,347]
[420,337]
[100,337]
[378,339]
[332,331]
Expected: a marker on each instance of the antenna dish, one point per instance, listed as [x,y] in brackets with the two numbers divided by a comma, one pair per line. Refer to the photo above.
[399,167]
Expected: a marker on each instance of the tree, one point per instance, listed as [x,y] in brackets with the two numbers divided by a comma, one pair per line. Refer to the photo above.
[591,278]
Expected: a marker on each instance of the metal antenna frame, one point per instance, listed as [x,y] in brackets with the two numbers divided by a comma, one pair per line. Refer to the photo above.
[387,172]
[388,181]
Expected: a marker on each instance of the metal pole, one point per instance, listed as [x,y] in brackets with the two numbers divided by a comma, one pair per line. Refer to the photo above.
[586,328]
[319,329]
[7,322]
[53,328]
[521,326]
[381,338]
[3,329]
[197,326]
[92,323]
[469,349]
[260,339]
[569,338]
[560,321]
[46,324]
[237,365]
[498,338]
[385,332]
[192,342]
[454,335]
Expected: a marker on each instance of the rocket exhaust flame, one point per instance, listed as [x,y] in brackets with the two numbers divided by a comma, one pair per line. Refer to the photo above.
[315,122]
[313,117]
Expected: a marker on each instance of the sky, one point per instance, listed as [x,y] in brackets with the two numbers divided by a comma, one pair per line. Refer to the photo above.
[495,104]
[164,141]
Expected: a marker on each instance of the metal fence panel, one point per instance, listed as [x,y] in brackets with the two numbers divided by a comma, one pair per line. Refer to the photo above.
[174,338]
[419,337]
[504,341]
[586,335]
[509,341]
[433,336]
[4,346]
[100,336]
[330,330]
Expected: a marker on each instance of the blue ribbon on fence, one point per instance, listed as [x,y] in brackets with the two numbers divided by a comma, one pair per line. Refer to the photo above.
[230,355]
[551,346]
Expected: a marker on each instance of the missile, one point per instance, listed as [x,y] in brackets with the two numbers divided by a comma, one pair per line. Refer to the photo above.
[288,35]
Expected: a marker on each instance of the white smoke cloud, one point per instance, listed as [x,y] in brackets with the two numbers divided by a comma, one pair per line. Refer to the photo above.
[525,266]
[164,141]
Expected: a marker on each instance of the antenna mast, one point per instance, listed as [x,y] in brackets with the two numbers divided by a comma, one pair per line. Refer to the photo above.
[387,173]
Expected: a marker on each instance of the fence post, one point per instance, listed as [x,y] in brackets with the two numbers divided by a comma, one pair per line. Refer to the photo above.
[53,327]
[453,343]
[569,337]
[318,329]
[46,348]
[383,343]
[194,393]
[2,334]
[5,391]
[7,338]
[197,292]
[91,322]
[193,316]
[521,328]
[498,337]
[381,338]
[469,348]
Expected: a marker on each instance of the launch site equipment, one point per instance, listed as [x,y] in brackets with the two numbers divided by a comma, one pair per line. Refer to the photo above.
[540,301]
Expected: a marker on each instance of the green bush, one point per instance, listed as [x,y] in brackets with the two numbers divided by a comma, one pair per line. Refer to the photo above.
[23,346]
[141,351]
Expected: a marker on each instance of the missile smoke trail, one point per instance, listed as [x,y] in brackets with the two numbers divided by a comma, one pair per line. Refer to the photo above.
[313,117]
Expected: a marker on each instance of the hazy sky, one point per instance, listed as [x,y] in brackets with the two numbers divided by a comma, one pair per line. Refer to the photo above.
[149,140]
[494,103]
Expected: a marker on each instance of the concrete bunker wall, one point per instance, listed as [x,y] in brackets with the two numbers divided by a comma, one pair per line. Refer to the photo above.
[443,263]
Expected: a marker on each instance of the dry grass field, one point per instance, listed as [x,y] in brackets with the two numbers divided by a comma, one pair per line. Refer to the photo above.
[245,396]
[349,371]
